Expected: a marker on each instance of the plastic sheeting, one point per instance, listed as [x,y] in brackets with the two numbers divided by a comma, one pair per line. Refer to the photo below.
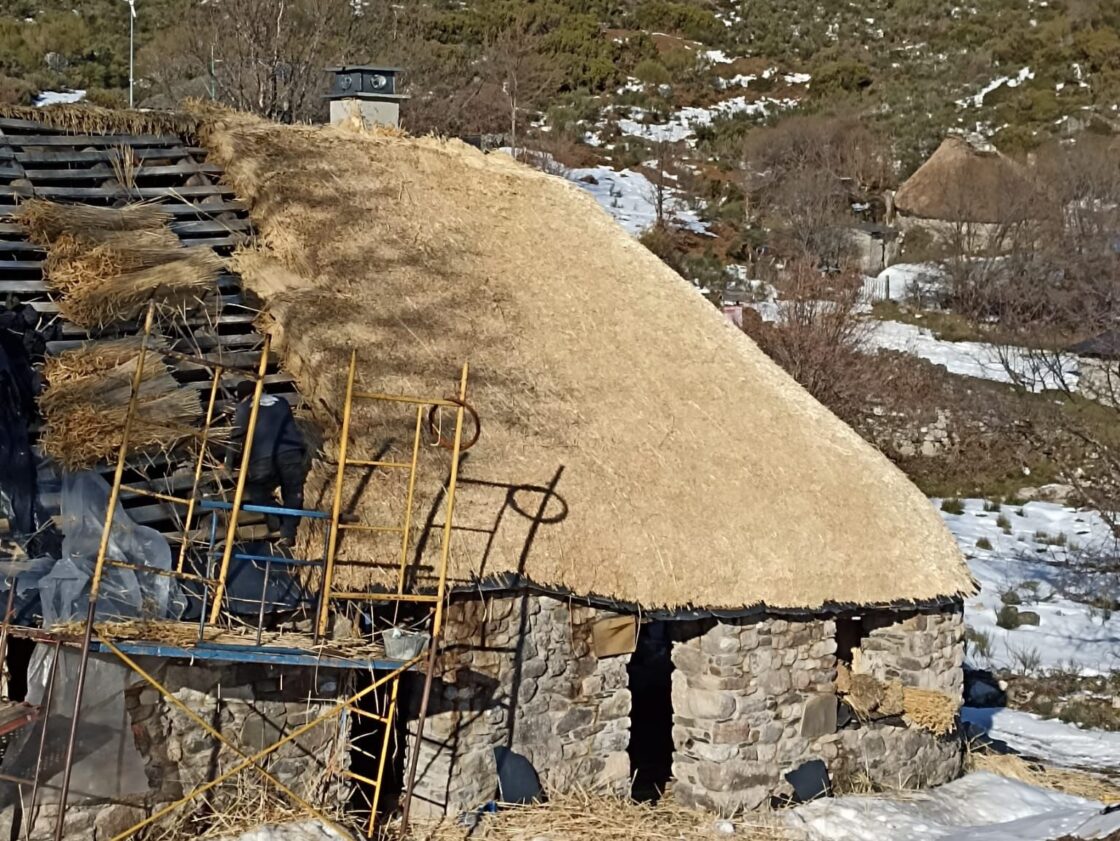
[125,593]
[106,761]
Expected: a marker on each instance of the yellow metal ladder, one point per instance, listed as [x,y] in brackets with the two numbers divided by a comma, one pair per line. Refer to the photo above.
[403,529]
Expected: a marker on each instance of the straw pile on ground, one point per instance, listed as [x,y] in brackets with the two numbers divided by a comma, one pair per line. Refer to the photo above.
[86,402]
[584,816]
[635,444]
[1067,780]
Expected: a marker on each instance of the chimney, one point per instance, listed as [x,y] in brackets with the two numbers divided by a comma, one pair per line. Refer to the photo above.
[366,91]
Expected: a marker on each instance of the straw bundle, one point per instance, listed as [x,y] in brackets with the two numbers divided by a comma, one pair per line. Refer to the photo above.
[929,710]
[93,358]
[85,413]
[97,301]
[73,260]
[619,408]
[91,119]
[1068,781]
[46,220]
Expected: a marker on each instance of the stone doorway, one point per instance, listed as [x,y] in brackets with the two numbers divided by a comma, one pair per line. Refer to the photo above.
[650,674]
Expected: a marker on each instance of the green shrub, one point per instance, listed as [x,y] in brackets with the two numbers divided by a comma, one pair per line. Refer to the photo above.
[1004,523]
[652,72]
[980,642]
[952,505]
[984,543]
[16,91]
[1008,617]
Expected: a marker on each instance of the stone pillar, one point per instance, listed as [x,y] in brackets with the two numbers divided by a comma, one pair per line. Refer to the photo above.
[520,672]
[751,701]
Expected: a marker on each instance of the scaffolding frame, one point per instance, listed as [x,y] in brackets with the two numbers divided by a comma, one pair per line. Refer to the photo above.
[214,589]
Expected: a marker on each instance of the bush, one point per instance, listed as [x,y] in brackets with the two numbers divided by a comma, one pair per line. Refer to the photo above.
[16,91]
[984,543]
[980,642]
[1004,523]
[653,72]
[1008,617]
[952,506]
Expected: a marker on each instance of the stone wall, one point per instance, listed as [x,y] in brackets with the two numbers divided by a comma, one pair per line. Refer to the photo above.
[250,705]
[754,699]
[521,672]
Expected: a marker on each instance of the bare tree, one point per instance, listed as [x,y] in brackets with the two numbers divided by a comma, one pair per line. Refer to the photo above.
[514,64]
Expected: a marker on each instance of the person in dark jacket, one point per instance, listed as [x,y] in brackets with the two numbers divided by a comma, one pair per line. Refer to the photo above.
[277,456]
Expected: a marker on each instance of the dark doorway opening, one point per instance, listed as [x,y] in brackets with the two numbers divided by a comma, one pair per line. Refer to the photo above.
[367,738]
[651,711]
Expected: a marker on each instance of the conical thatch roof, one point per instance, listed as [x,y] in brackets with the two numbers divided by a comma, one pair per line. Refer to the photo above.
[960,183]
[634,444]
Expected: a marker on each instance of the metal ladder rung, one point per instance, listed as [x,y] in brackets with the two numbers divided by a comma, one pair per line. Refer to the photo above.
[384,597]
[369,715]
[364,527]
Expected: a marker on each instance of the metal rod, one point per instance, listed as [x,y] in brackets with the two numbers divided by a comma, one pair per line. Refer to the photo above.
[239,492]
[166,573]
[99,565]
[7,621]
[437,621]
[403,398]
[364,527]
[389,717]
[198,467]
[384,597]
[407,527]
[178,500]
[249,761]
[362,462]
[264,595]
[336,504]
[44,720]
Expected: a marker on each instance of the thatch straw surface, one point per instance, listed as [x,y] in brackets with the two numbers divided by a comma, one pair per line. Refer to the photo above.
[46,220]
[635,444]
[1078,783]
[86,403]
[960,183]
[79,118]
[171,278]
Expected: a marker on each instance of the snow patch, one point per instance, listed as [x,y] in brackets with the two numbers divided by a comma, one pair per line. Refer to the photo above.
[683,123]
[1069,635]
[1052,742]
[976,100]
[978,807]
[59,98]
[629,197]
[301,831]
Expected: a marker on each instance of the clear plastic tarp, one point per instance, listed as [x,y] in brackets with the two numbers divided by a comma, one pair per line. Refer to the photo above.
[125,593]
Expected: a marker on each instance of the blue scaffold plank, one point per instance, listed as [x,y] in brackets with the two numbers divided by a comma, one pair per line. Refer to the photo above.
[267,655]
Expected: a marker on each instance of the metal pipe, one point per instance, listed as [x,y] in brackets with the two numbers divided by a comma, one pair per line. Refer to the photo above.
[250,760]
[437,620]
[7,619]
[407,528]
[336,504]
[99,566]
[45,720]
[403,398]
[198,467]
[239,492]
[389,717]
[264,595]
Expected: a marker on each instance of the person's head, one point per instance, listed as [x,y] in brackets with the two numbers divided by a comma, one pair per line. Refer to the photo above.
[245,388]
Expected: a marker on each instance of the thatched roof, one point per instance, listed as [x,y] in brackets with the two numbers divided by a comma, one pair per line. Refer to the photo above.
[635,445]
[962,183]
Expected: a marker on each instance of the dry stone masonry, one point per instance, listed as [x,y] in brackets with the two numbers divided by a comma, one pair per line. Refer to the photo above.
[521,672]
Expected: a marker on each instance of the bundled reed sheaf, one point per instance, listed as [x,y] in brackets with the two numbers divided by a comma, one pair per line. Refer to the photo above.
[46,221]
[92,301]
[86,403]
[81,118]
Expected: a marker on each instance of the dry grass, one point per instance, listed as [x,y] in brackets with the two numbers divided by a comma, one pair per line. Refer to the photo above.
[1079,783]
[86,405]
[635,444]
[585,816]
[92,119]
[93,301]
[94,358]
[868,697]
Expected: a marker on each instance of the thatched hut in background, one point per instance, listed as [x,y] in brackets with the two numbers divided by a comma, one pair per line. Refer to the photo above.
[965,190]
[665,550]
